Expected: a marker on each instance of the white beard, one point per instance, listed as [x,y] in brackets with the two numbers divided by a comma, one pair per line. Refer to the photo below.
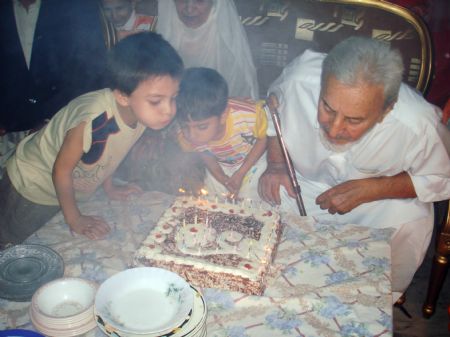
[333,147]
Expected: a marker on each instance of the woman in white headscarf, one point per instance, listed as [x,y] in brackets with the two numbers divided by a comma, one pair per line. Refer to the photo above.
[208,33]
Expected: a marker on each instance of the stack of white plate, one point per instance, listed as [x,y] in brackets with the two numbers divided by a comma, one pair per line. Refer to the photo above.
[64,307]
[150,302]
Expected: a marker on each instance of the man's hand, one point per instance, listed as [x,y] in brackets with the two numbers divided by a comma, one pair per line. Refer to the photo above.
[275,176]
[344,197]
[92,227]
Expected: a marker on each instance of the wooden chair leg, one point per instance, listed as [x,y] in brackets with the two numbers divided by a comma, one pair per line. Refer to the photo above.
[438,273]
[441,258]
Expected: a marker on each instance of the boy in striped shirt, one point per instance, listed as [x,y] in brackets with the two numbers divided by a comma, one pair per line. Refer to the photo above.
[229,134]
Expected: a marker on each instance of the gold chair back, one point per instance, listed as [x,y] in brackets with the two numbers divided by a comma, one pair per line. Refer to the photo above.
[280,30]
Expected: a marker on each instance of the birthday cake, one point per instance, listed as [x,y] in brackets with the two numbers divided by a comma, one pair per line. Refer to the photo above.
[214,244]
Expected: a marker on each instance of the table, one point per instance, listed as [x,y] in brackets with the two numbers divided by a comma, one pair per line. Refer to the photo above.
[328,279]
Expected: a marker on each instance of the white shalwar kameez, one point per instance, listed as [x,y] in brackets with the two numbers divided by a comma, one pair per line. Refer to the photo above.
[410,138]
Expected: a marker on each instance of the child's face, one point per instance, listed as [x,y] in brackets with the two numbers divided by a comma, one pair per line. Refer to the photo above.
[152,103]
[203,131]
[118,11]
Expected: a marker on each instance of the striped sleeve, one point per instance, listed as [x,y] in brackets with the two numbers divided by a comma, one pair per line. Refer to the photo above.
[261,120]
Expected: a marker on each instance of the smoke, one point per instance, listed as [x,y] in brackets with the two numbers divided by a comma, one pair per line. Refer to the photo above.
[157,163]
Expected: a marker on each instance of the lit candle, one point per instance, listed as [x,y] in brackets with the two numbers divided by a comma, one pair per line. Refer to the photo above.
[184,222]
[195,219]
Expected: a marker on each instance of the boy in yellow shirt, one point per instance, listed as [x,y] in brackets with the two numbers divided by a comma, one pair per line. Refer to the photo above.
[82,145]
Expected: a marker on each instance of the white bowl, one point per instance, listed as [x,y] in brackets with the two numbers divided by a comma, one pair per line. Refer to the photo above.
[144,300]
[64,299]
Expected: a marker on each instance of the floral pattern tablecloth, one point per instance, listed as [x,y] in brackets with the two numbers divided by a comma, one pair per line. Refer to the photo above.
[328,279]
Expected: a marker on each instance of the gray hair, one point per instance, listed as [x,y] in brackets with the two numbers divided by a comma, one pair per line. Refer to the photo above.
[362,59]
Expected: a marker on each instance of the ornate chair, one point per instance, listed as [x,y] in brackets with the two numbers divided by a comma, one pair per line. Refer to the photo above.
[109,33]
[280,30]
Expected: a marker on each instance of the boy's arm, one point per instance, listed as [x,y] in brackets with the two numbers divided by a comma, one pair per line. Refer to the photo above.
[214,168]
[255,153]
[68,156]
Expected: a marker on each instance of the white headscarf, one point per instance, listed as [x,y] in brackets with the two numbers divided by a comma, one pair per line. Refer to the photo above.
[220,43]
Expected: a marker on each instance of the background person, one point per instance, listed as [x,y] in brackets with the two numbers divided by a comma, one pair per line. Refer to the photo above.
[366,149]
[208,33]
[46,53]
[122,14]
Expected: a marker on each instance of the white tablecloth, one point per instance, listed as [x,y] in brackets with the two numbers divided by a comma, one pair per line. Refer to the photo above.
[328,279]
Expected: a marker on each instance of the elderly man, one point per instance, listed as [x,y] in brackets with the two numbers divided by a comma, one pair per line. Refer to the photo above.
[366,148]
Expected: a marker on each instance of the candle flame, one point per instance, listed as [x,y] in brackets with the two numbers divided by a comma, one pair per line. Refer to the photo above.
[203,191]
[181,190]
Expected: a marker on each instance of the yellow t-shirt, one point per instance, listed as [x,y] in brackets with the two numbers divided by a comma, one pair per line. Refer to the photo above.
[106,141]
[246,122]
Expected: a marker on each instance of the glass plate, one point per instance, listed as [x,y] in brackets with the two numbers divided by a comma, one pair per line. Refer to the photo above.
[24,268]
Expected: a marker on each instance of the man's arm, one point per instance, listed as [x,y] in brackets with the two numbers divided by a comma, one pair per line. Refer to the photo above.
[66,160]
[344,197]
[275,175]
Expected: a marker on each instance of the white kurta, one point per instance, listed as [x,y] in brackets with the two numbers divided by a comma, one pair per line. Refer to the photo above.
[408,139]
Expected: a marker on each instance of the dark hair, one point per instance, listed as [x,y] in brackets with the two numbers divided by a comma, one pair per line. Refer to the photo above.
[138,57]
[203,93]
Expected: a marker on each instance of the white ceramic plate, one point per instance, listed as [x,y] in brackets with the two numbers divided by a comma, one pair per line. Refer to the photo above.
[194,323]
[144,300]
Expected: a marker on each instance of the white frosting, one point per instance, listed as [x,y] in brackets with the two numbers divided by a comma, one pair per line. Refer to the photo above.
[197,238]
